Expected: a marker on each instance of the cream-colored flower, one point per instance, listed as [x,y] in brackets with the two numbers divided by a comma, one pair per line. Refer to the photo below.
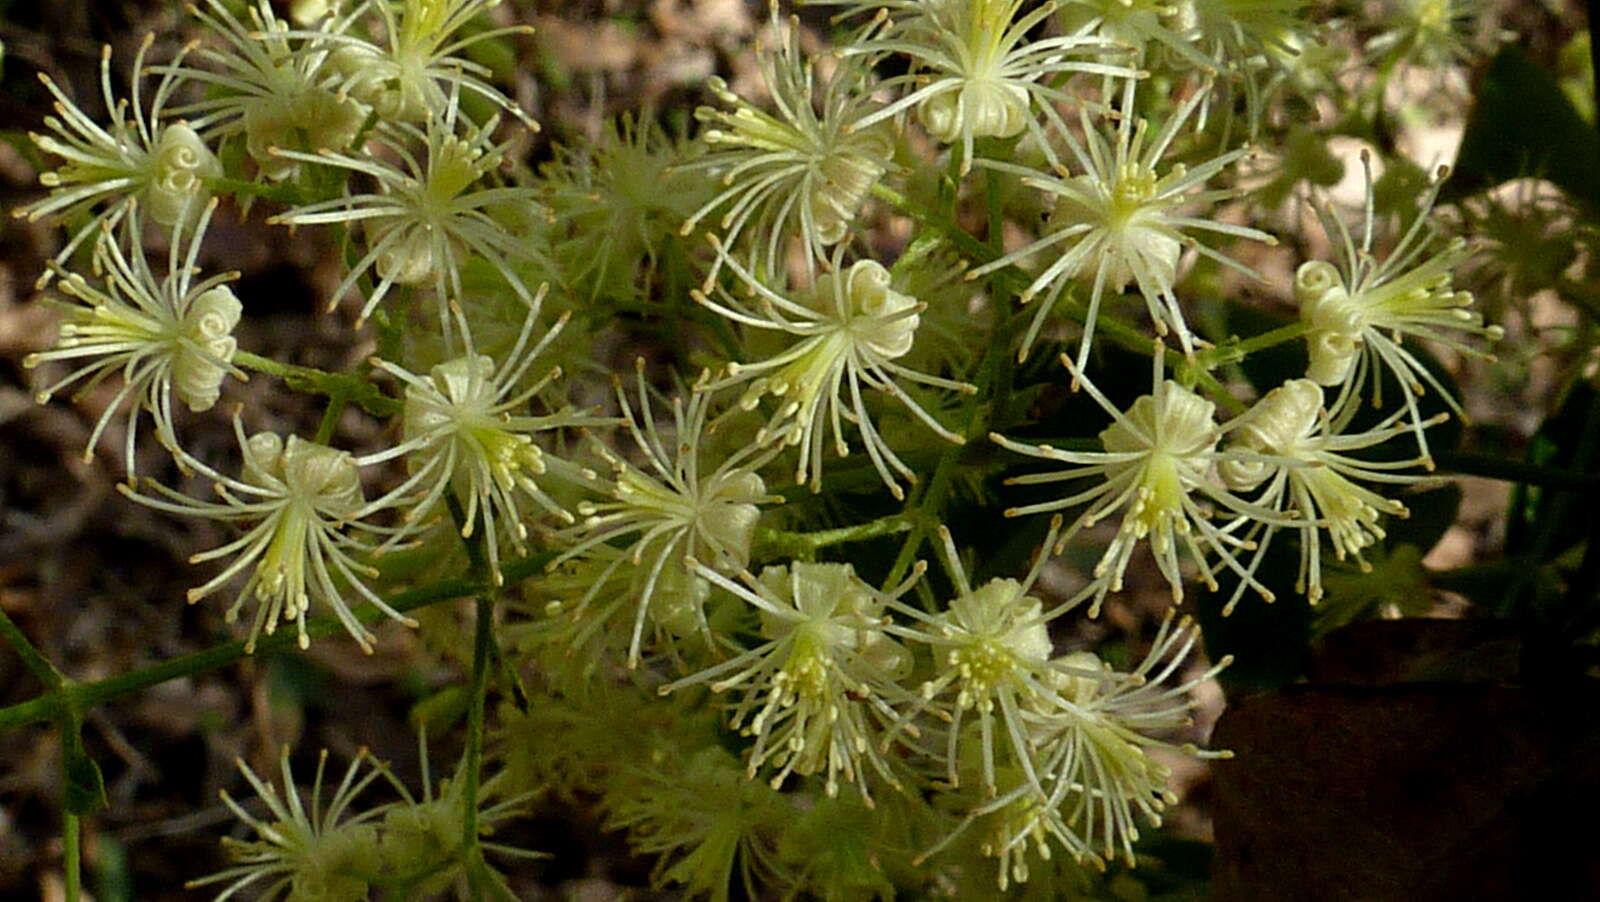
[167,336]
[803,170]
[1123,221]
[466,431]
[817,692]
[308,536]
[1157,471]
[1288,446]
[136,158]
[852,325]
[676,506]
[1358,315]
[429,214]
[415,69]
[303,853]
[975,72]
[274,89]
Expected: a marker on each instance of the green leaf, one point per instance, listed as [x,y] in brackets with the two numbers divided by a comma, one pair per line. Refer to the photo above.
[1522,124]
[83,789]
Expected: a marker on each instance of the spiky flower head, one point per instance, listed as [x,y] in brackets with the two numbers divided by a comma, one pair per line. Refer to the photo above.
[415,69]
[138,157]
[301,853]
[466,435]
[272,88]
[975,72]
[675,507]
[1358,315]
[428,216]
[1097,733]
[1157,471]
[308,536]
[802,170]
[852,324]
[816,693]
[1288,446]
[167,336]
[992,653]
[1123,220]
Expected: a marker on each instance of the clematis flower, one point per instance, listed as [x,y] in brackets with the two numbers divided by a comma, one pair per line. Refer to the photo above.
[308,532]
[167,336]
[816,693]
[1157,471]
[300,851]
[137,158]
[1288,446]
[465,432]
[270,88]
[1122,221]
[992,651]
[428,215]
[975,73]
[852,325]
[675,507]
[1358,315]
[1090,731]
[803,170]
[416,70]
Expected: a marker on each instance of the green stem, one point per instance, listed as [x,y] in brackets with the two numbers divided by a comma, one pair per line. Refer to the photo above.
[330,418]
[1515,471]
[775,543]
[481,642]
[83,696]
[482,648]
[72,841]
[36,663]
[996,370]
[309,379]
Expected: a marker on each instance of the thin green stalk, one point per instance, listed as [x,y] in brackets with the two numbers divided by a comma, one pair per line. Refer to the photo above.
[775,543]
[83,696]
[72,841]
[36,663]
[481,641]
[926,508]
[482,648]
[1515,471]
[319,382]
[330,419]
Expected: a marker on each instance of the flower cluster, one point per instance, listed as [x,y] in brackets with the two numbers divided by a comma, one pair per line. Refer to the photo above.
[840,265]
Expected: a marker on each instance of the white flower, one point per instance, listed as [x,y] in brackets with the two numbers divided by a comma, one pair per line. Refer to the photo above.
[1359,315]
[992,648]
[1095,739]
[166,336]
[414,73]
[135,158]
[1288,442]
[427,216]
[310,854]
[1088,731]
[852,325]
[273,90]
[465,432]
[676,507]
[307,540]
[975,73]
[1122,221]
[805,170]
[1157,471]
[816,693]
